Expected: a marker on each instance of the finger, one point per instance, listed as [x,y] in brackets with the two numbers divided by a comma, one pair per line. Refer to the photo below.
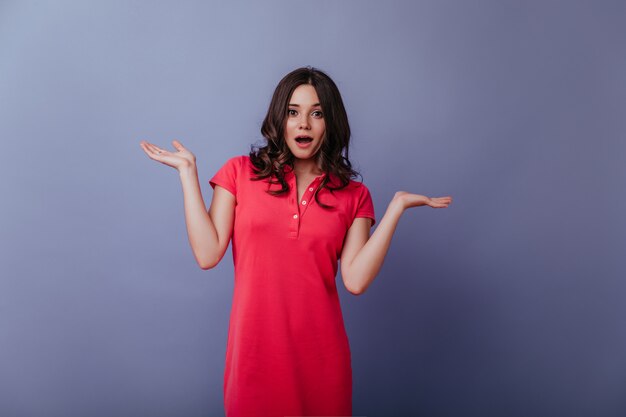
[439,202]
[156,149]
[152,151]
[178,145]
[146,149]
[153,148]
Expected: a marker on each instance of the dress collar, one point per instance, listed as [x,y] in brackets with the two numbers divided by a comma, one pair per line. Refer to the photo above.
[289,170]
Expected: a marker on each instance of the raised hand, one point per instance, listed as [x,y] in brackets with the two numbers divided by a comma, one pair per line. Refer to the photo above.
[408,200]
[183,158]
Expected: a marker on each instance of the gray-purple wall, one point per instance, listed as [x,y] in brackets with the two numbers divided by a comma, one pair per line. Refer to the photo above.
[511,302]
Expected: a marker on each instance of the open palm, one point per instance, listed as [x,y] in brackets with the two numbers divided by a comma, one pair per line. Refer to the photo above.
[408,200]
[180,159]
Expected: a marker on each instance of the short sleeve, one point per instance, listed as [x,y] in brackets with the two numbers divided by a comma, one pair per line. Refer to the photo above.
[365,206]
[227,175]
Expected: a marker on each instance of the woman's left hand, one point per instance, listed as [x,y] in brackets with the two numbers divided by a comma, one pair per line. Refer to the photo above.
[408,200]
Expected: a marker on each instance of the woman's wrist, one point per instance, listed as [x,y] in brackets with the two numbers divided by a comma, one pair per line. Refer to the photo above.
[188,169]
[396,205]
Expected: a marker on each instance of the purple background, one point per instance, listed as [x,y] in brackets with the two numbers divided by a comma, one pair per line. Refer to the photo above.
[508,303]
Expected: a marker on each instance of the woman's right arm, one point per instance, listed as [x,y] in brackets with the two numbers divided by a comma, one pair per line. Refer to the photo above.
[209,232]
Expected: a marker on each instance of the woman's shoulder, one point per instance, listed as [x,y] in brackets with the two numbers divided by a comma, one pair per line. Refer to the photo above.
[357,185]
[238,161]
[353,186]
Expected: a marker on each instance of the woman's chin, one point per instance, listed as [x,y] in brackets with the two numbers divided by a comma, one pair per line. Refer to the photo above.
[303,152]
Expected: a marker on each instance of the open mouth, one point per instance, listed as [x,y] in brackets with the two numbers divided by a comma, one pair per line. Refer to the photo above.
[304,139]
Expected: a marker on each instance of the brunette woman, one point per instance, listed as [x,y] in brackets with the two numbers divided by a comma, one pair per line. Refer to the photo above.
[292,210]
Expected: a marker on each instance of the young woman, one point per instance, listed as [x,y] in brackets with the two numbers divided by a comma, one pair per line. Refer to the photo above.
[292,211]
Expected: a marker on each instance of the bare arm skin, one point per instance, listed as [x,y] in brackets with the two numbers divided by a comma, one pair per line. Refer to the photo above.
[208,232]
[362,256]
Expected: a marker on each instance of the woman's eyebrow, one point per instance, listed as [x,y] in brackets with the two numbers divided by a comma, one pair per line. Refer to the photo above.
[297,105]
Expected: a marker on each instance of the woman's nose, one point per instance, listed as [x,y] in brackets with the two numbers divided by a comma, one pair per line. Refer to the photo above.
[304,121]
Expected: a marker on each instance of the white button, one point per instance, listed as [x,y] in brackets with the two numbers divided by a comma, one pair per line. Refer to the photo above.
[310,189]
[295,216]
[303,202]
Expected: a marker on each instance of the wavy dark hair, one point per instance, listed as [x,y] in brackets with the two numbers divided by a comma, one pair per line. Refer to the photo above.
[332,157]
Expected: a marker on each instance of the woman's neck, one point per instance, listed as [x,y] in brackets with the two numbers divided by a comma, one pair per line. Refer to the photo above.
[306,167]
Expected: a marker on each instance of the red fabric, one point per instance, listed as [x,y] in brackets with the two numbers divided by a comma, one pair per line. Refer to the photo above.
[287,352]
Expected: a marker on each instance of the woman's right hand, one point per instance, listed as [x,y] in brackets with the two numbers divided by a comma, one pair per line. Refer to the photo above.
[179,160]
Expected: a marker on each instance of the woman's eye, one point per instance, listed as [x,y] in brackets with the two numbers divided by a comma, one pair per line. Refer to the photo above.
[319,113]
[290,112]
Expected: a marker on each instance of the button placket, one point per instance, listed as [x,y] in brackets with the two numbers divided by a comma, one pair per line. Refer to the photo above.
[308,196]
[298,208]
[294,222]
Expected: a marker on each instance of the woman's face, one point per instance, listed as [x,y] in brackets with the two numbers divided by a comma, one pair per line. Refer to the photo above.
[304,118]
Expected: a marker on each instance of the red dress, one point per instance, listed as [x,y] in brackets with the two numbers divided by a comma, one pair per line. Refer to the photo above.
[287,352]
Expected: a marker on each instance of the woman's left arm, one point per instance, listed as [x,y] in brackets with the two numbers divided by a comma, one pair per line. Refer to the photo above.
[362,255]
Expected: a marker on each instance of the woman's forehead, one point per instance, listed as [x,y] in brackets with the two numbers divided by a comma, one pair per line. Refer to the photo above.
[304,94]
